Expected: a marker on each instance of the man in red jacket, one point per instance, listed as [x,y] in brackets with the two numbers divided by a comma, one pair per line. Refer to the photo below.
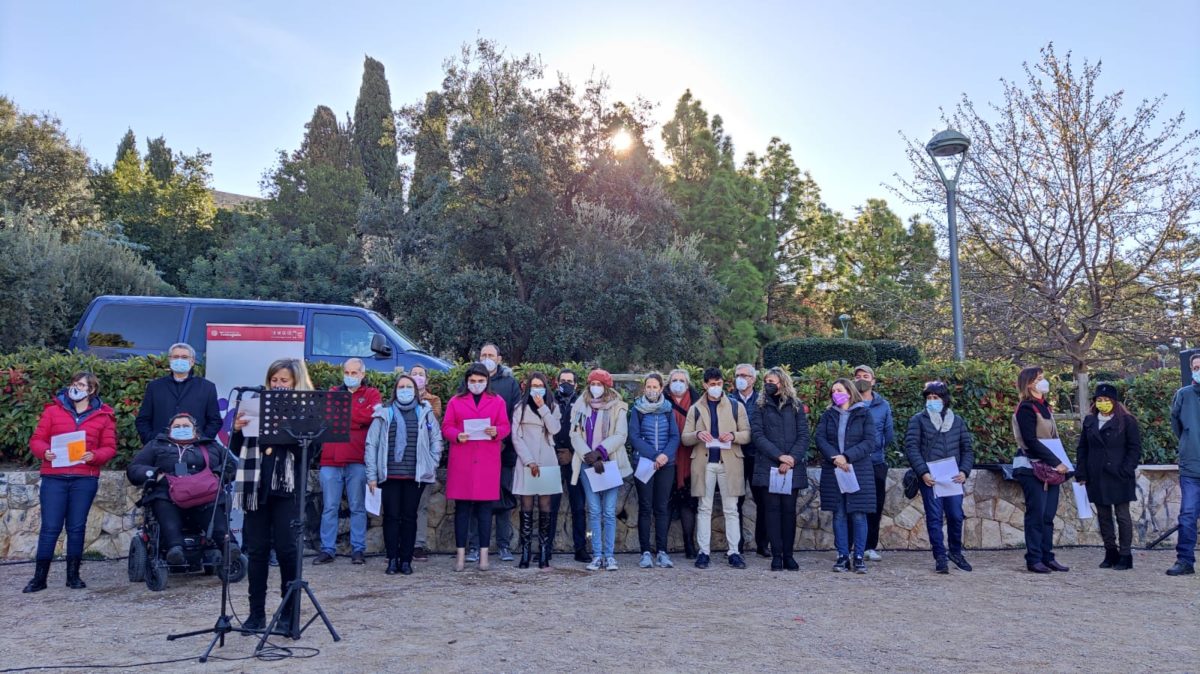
[343,468]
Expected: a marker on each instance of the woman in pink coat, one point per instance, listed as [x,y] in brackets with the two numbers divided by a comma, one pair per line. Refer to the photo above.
[473,477]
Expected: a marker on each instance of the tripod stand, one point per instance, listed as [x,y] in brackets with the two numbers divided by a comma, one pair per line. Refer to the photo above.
[301,417]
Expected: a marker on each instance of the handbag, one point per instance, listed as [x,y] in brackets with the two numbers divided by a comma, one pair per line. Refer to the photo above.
[1047,475]
[912,484]
[197,489]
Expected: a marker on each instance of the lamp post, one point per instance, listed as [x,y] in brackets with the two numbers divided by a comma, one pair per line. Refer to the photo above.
[845,319]
[950,144]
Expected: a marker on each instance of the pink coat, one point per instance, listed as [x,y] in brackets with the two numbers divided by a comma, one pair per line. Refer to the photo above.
[474,468]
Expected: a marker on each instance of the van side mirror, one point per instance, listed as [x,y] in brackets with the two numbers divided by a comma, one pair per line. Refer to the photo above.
[380,346]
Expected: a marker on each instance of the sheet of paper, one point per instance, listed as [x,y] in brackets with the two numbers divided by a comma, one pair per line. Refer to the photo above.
[374,502]
[1081,501]
[780,484]
[474,428]
[68,449]
[250,407]
[1055,445]
[943,472]
[847,480]
[548,481]
[645,469]
[611,477]
[718,444]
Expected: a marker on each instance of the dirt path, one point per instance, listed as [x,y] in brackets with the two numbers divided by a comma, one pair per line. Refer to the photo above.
[900,617]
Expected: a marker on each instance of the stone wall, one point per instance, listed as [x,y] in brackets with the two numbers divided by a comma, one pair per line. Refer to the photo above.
[994,510]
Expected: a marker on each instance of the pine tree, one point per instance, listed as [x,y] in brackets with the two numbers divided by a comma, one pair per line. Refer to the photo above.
[375,129]
[159,159]
[128,144]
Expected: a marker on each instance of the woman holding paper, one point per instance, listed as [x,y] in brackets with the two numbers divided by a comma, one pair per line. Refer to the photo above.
[1109,450]
[75,436]
[476,424]
[1033,422]
[655,438]
[846,438]
[780,432]
[940,450]
[535,421]
[599,426]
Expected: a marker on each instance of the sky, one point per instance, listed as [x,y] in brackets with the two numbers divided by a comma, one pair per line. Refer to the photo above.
[839,81]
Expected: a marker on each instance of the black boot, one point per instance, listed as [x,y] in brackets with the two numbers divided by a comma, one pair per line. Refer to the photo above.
[1124,563]
[545,540]
[256,621]
[1110,558]
[284,626]
[526,538]
[393,566]
[38,582]
[73,580]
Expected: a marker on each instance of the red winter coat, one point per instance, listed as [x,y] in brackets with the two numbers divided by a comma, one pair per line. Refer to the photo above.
[362,406]
[474,467]
[98,422]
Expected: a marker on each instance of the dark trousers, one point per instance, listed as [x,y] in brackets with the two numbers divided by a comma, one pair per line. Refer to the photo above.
[65,500]
[466,512]
[881,470]
[1041,503]
[937,509]
[652,502]
[759,496]
[399,509]
[578,504]
[779,519]
[1124,529]
[684,506]
[172,519]
[270,526]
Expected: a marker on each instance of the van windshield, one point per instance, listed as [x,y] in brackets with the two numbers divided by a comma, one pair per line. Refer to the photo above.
[403,341]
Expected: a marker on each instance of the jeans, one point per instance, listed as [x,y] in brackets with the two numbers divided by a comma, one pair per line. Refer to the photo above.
[270,526]
[759,496]
[842,527]
[714,477]
[422,539]
[353,478]
[577,502]
[1041,503]
[937,508]
[1104,518]
[66,499]
[601,508]
[399,510]
[779,520]
[1189,510]
[652,504]
[471,514]
[172,519]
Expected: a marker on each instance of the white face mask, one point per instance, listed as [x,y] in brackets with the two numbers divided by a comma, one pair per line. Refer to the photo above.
[596,390]
[489,364]
[678,388]
[742,383]
[477,388]
[1043,387]
[714,391]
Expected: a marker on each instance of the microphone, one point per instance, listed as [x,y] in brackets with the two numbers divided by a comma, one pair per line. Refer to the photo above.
[253,389]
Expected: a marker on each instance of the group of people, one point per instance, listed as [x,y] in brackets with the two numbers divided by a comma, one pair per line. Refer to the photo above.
[524,445]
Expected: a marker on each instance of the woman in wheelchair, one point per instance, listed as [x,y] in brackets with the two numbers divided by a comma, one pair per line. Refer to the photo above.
[179,452]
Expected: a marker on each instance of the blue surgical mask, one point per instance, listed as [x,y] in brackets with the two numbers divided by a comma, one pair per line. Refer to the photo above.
[181,365]
[183,433]
[351,382]
[1196,376]
[405,395]
[541,391]
[934,406]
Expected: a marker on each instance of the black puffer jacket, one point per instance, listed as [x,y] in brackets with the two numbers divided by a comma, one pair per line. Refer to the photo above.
[777,431]
[860,442]
[160,455]
[924,443]
[1107,459]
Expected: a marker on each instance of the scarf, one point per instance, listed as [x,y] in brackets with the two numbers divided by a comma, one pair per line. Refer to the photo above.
[843,420]
[644,406]
[598,422]
[943,422]
[245,487]
[400,428]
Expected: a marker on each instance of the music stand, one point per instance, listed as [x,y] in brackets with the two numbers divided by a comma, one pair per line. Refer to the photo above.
[301,418]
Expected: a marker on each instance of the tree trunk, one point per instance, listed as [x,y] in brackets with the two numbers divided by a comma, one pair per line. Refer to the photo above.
[1082,396]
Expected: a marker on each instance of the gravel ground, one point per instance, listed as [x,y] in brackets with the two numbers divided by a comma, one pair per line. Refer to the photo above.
[899,617]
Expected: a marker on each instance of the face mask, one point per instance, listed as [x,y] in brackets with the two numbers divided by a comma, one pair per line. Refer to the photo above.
[840,398]
[1104,407]
[1196,376]
[420,379]
[405,395]
[714,391]
[539,392]
[862,385]
[742,383]
[351,382]
[180,365]
[489,364]
[653,397]
[77,394]
[182,433]
[596,390]
[477,388]
[566,389]
[678,388]
[934,406]
[1043,387]
[771,389]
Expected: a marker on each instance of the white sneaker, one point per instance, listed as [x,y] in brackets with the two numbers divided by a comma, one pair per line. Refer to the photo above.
[611,564]
[647,561]
[597,562]
[664,560]
[872,556]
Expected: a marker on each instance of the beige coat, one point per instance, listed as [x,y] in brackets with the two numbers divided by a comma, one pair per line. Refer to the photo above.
[533,439]
[696,422]
[614,440]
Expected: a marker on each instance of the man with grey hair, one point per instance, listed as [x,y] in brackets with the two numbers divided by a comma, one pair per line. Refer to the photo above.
[744,379]
[177,393]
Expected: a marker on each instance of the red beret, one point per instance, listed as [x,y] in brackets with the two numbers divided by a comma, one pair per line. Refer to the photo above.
[601,376]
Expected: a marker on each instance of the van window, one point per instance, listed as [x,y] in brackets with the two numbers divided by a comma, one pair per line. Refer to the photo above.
[341,335]
[203,315]
[152,327]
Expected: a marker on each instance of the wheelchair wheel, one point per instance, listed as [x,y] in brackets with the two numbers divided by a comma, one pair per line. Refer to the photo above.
[137,559]
[156,576]
[237,567]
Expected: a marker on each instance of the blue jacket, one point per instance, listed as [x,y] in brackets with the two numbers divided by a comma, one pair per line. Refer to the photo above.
[654,434]
[1185,422]
[751,450]
[885,428]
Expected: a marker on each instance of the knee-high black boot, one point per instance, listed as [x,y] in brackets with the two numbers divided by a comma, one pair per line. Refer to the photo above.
[526,537]
[545,539]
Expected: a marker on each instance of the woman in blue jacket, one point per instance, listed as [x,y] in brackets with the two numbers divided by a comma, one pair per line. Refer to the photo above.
[655,438]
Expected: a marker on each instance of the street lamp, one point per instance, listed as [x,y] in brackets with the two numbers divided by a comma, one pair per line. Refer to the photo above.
[845,319]
[948,145]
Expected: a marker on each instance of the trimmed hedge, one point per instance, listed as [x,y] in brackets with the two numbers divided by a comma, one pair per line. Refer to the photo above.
[799,354]
[891,349]
[982,393]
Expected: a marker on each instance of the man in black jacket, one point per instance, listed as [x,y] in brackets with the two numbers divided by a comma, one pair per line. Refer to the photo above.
[565,396]
[176,393]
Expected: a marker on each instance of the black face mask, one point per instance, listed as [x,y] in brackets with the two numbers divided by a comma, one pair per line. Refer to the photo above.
[566,390]
[771,389]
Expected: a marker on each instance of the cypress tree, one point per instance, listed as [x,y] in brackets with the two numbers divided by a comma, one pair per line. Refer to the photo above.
[375,129]
[128,144]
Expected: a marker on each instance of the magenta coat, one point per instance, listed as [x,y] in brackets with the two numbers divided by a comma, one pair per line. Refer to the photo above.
[474,469]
